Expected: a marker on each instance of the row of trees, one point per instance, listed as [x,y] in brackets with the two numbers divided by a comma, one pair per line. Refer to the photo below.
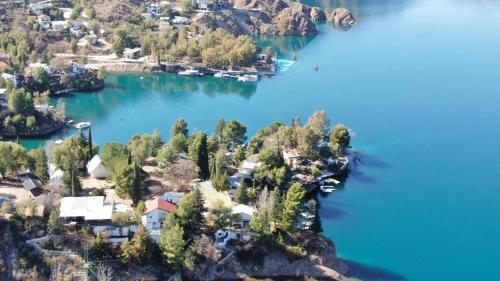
[14,159]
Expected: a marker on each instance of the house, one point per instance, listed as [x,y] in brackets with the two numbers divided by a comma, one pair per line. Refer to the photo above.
[174,197]
[59,25]
[78,69]
[31,183]
[292,158]
[76,30]
[89,209]
[243,214]
[247,168]
[96,168]
[3,97]
[223,236]
[44,21]
[205,4]
[156,211]
[45,66]
[92,39]
[180,20]
[132,53]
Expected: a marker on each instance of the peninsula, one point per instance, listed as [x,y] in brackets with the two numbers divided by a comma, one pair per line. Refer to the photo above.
[198,207]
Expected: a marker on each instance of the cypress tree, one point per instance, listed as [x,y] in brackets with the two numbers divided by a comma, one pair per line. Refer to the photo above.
[91,154]
[203,157]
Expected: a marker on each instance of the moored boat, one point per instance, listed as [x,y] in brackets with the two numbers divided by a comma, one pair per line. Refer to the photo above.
[190,72]
[82,125]
[248,78]
[327,188]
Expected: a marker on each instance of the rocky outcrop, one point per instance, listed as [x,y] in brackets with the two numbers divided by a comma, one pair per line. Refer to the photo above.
[341,16]
[261,260]
[294,21]
[317,14]
[263,17]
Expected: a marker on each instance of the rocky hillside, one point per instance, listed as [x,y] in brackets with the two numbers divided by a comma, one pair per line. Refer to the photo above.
[266,260]
[277,17]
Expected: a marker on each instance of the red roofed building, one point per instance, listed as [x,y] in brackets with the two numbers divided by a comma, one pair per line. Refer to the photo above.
[155,212]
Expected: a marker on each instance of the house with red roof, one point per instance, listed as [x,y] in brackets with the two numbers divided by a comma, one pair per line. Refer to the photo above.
[155,212]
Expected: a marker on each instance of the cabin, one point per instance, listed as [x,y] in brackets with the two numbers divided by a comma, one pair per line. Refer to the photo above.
[31,183]
[91,210]
[132,54]
[44,21]
[292,158]
[180,20]
[156,211]
[242,215]
[96,168]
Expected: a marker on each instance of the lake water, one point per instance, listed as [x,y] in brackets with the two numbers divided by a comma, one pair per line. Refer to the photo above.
[419,83]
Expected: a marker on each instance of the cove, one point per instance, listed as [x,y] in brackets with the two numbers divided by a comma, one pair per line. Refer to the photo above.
[418,81]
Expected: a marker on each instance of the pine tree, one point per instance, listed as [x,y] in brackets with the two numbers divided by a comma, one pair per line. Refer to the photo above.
[241,196]
[136,189]
[53,222]
[203,158]
[292,205]
[90,148]
[41,166]
[172,246]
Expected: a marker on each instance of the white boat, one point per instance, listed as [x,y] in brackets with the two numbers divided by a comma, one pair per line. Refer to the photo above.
[71,121]
[219,75]
[59,141]
[190,72]
[327,188]
[248,78]
[82,125]
[329,182]
[307,215]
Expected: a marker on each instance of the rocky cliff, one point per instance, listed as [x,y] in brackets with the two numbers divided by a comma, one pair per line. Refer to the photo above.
[261,260]
[275,17]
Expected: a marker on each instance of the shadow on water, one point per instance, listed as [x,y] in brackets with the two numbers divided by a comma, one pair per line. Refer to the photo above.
[367,272]
[283,46]
[332,212]
[364,8]
[373,162]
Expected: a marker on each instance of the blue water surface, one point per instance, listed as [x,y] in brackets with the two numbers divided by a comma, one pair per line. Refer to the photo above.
[419,83]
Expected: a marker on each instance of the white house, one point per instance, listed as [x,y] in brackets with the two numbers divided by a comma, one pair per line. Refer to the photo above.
[243,213]
[91,209]
[45,66]
[180,20]
[156,211]
[96,169]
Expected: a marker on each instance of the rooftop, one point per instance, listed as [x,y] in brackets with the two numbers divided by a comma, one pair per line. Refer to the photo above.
[89,207]
[158,203]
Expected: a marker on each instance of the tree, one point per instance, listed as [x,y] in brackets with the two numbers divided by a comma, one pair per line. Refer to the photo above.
[12,158]
[137,185]
[269,55]
[292,205]
[340,139]
[172,245]
[73,45]
[5,209]
[113,156]
[41,164]
[124,178]
[53,223]
[21,102]
[90,147]
[318,123]
[72,182]
[73,152]
[101,73]
[100,250]
[139,148]
[191,209]
[260,223]
[137,249]
[241,196]
[234,132]
[219,129]
[180,127]
[198,152]
[156,142]
[178,143]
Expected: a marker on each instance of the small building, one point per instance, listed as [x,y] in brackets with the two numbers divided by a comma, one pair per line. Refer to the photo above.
[205,4]
[174,197]
[156,211]
[78,69]
[59,25]
[96,168]
[76,30]
[132,53]
[178,20]
[292,158]
[45,66]
[44,21]
[3,96]
[89,209]
[31,183]
[243,214]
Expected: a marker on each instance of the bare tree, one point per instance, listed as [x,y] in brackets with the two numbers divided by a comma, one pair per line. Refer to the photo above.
[104,272]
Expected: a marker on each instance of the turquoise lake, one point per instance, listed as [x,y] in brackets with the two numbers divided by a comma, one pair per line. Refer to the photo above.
[419,83]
